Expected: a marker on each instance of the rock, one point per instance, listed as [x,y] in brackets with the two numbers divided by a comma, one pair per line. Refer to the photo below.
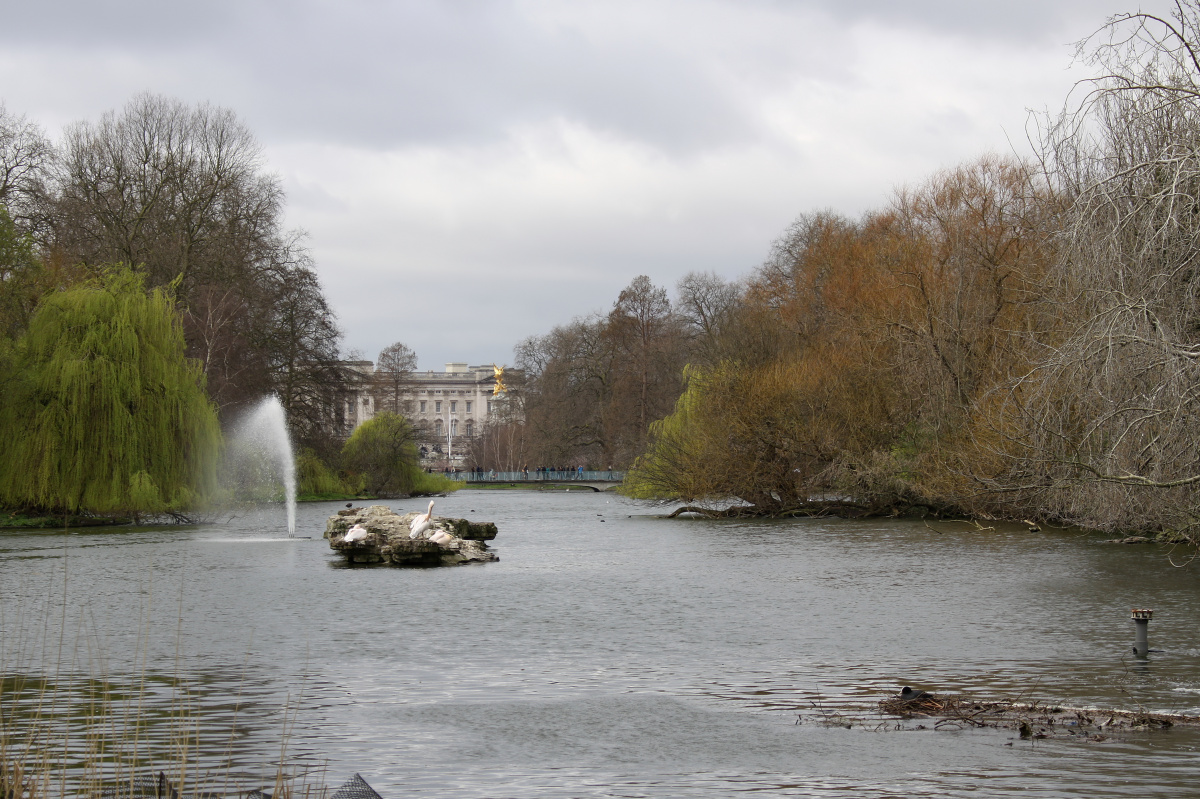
[388,539]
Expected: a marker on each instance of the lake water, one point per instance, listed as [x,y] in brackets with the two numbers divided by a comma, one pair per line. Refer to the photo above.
[614,653]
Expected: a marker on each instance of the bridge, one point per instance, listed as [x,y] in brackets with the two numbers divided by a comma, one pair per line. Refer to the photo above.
[596,480]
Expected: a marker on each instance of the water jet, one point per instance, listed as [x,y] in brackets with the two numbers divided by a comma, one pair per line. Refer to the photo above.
[260,465]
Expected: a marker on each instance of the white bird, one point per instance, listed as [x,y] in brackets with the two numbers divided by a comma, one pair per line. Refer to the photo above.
[355,533]
[421,523]
[441,537]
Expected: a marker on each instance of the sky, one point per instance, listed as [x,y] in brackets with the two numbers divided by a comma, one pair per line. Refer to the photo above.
[473,172]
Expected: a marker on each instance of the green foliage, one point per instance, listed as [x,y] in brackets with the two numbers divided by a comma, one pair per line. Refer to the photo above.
[384,453]
[675,457]
[772,436]
[144,494]
[428,483]
[315,479]
[20,271]
[103,412]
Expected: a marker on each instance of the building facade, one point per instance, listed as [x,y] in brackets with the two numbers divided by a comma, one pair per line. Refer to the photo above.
[447,408]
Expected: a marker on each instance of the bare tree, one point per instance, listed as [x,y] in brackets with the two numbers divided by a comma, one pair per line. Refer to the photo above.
[181,192]
[973,248]
[25,156]
[301,341]
[650,343]
[569,373]
[503,443]
[704,305]
[1112,413]
[595,386]
[393,372]
[179,189]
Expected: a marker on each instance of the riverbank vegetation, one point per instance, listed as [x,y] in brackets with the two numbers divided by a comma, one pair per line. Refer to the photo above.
[102,412]
[380,458]
[143,257]
[1007,338]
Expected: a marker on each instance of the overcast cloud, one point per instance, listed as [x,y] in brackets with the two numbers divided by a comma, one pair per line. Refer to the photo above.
[472,172]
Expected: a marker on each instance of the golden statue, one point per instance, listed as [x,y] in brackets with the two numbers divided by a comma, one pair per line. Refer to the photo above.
[499,372]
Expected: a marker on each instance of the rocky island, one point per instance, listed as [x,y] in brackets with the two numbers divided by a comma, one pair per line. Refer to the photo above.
[387,538]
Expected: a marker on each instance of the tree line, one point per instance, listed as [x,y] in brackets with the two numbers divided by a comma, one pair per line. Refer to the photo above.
[149,293]
[1015,338]
[181,193]
[586,393]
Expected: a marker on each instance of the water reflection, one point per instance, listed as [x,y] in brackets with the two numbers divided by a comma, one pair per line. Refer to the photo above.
[634,656]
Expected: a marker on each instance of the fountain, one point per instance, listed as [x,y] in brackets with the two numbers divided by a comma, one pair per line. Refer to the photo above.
[259,460]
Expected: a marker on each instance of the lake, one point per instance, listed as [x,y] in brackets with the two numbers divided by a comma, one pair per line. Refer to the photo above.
[615,653]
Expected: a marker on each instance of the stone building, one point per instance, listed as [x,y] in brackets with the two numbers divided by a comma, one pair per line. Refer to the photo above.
[447,408]
[355,402]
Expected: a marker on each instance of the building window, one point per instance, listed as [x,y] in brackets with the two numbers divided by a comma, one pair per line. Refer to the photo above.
[470,428]
[453,406]
[489,406]
[437,406]
[453,427]
[437,426]
[468,409]
[422,406]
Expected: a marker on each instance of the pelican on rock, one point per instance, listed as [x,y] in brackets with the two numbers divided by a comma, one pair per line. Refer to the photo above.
[420,524]
[355,533]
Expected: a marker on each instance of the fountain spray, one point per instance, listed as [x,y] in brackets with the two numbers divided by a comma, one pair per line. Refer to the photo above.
[263,451]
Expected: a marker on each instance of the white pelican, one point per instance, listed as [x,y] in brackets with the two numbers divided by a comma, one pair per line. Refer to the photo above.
[441,537]
[421,523]
[355,533]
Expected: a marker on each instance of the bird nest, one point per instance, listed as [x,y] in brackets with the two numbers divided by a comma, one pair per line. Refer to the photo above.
[1030,720]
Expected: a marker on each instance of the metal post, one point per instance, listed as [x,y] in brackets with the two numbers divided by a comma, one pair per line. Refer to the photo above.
[1141,620]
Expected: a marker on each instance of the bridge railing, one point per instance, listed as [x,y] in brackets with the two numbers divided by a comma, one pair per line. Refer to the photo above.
[532,475]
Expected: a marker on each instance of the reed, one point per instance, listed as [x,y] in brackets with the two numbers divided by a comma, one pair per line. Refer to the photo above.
[72,726]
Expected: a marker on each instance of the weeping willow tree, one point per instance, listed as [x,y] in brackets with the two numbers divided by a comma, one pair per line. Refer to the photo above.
[104,413]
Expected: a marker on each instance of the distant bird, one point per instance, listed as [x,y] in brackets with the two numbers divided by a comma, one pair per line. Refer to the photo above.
[441,537]
[355,533]
[909,695]
[349,504]
[420,524]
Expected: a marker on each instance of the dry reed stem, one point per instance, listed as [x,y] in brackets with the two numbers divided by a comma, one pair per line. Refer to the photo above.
[67,730]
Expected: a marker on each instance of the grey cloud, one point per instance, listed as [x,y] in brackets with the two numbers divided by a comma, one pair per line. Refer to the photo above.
[391,74]
[450,76]
[384,74]
[1012,21]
